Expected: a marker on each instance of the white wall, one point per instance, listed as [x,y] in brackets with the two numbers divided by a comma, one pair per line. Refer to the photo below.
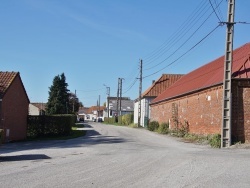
[33,110]
[145,110]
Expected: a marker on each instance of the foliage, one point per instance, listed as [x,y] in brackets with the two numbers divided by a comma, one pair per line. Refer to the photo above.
[74,103]
[53,125]
[163,128]
[215,140]
[133,125]
[153,126]
[58,101]
[180,129]
[110,120]
[127,119]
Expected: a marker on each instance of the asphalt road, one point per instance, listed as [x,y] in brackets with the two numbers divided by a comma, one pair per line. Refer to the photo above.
[111,156]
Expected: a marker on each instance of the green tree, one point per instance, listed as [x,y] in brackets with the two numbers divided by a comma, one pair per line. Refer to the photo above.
[58,101]
[74,103]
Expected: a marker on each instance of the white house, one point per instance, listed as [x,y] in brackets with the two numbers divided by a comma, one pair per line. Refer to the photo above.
[37,109]
[151,93]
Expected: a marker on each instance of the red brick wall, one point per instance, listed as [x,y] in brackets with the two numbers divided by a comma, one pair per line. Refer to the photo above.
[202,111]
[241,110]
[15,110]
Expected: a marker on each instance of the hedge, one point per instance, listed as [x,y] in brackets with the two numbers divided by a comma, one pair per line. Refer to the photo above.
[50,125]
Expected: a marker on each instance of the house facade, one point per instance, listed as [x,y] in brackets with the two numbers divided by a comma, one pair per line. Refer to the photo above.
[195,101]
[37,109]
[94,112]
[118,106]
[151,93]
[14,106]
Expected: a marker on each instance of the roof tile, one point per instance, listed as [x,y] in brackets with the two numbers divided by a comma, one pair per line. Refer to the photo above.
[209,75]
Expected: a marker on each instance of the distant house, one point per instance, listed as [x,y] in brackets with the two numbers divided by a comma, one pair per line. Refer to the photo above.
[82,113]
[195,100]
[151,93]
[37,109]
[14,104]
[94,112]
[125,106]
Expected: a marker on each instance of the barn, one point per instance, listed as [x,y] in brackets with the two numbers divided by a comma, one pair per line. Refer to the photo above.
[194,102]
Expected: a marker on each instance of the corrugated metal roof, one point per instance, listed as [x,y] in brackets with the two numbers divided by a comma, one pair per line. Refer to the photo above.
[6,79]
[209,75]
[161,84]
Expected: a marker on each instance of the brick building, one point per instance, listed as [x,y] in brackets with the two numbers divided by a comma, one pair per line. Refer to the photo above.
[195,100]
[150,94]
[14,104]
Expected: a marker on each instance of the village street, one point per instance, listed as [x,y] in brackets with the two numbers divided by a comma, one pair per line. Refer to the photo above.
[114,156]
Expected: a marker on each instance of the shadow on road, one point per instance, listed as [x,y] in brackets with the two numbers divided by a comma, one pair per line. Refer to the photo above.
[23,157]
[92,137]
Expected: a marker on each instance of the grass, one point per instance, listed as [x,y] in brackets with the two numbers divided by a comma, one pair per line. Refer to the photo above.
[74,134]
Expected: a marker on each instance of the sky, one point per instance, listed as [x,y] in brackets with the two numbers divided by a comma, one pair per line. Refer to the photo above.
[95,42]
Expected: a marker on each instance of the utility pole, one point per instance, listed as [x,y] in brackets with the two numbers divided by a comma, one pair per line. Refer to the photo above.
[74,102]
[108,94]
[140,91]
[120,111]
[227,94]
[99,106]
[118,94]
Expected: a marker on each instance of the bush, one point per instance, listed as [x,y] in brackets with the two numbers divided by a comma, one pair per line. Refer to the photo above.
[127,119]
[153,126]
[53,125]
[215,140]
[163,128]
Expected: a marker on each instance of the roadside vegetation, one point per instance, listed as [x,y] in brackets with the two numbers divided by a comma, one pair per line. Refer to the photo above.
[74,133]
[180,130]
[59,120]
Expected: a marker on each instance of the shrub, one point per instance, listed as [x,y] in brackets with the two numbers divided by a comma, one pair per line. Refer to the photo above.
[53,125]
[163,128]
[133,125]
[153,126]
[215,140]
[127,119]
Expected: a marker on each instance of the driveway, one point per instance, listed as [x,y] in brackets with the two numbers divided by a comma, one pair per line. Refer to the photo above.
[114,156]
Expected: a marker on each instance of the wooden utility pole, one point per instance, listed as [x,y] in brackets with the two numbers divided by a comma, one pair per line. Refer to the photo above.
[227,94]
[140,91]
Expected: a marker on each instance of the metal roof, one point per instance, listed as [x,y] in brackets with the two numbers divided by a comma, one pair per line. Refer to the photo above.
[209,75]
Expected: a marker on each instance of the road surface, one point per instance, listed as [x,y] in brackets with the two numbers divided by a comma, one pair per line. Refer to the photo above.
[116,157]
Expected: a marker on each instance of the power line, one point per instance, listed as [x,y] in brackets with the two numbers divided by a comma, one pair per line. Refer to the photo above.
[193,19]
[182,43]
[214,11]
[185,52]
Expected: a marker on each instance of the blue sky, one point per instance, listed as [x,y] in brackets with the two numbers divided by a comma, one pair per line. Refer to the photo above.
[94,42]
